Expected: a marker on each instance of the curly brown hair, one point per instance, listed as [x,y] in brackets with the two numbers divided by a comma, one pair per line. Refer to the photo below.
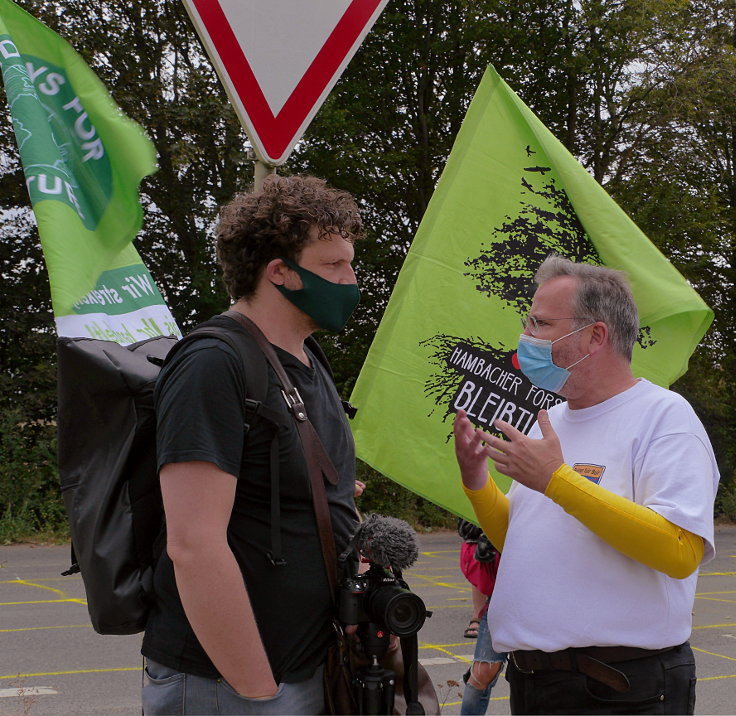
[275,222]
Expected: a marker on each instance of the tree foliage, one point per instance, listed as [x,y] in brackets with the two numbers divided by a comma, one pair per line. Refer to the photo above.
[643,92]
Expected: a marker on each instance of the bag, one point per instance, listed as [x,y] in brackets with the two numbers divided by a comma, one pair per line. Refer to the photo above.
[107,469]
[482,575]
[414,692]
[107,462]
[338,676]
[345,658]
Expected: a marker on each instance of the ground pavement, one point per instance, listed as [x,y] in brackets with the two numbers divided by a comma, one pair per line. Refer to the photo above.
[52,663]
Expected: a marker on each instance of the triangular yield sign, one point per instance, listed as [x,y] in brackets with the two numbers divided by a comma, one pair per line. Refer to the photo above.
[279,59]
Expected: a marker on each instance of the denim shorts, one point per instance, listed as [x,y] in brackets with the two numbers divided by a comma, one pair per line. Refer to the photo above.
[484,650]
[169,692]
[475,701]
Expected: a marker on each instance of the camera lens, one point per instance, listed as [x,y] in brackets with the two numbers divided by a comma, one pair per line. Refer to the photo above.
[402,612]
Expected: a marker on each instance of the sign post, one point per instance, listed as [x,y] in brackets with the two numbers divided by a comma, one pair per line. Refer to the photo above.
[260,172]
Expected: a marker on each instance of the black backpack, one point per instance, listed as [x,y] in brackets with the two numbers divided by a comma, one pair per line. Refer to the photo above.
[107,461]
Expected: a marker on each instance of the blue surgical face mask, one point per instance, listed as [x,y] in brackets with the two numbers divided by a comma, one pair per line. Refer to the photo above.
[535,361]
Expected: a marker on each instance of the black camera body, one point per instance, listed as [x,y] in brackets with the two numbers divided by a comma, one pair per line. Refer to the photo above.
[380,597]
[381,604]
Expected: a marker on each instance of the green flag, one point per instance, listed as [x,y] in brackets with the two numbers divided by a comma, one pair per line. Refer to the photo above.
[509,195]
[83,162]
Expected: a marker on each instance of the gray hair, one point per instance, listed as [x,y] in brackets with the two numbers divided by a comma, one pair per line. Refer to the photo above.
[603,294]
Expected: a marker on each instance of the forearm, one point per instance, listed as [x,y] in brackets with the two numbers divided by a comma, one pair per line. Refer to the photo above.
[634,530]
[218,608]
[491,508]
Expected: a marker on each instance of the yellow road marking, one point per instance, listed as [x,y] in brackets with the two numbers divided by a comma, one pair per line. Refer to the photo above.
[722,656]
[493,698]
[44,601]
[64,626]
[66,580]
[713,678]
[442,650]
[71,673]
[38,586]
[25,583]
[437,582]
[715,626]
[717,574]
[442,647]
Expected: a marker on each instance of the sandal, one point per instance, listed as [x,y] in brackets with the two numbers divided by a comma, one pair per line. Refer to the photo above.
[471,632]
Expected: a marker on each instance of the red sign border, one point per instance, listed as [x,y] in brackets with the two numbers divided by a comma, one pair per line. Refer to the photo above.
[277,132]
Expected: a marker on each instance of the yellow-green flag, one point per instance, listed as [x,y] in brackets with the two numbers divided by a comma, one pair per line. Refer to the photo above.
[83,160]
[509,195]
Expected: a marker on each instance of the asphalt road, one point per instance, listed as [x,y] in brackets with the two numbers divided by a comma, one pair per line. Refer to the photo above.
[52,663]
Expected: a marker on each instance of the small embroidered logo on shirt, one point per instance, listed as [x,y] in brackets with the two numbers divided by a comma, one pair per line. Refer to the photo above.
[593,472]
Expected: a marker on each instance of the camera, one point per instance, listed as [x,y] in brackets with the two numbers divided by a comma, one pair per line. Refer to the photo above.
[380,602]
[380,597]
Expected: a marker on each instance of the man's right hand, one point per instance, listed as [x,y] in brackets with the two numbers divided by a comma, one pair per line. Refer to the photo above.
[471,452]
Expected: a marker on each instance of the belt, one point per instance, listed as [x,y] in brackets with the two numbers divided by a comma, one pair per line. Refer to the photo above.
[593,661]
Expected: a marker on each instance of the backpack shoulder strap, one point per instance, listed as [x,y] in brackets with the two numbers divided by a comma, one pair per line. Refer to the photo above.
[319,464]
[255,367]
[255,374]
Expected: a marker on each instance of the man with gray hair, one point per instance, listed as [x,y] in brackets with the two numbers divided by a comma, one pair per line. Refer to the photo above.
[608,520]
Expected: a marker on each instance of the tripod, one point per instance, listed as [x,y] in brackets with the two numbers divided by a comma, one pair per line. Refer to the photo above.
[374,686]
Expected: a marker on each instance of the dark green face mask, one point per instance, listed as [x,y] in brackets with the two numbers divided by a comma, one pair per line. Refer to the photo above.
[328,304]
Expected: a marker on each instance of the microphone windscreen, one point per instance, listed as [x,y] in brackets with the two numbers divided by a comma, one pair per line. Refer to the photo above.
[387,541]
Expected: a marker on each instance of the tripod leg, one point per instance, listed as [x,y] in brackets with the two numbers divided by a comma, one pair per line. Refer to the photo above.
[375,690]
[410,653]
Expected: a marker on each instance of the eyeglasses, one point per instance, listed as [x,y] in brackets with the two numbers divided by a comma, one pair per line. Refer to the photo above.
[531,323]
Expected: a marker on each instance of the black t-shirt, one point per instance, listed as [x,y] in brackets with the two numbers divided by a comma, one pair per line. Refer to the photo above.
[201,415]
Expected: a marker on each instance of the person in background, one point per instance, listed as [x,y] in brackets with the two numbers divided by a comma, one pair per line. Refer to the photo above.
[479,563]
[472,570]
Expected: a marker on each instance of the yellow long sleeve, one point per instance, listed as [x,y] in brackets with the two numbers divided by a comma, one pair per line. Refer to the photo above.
[632,529]
[492,510]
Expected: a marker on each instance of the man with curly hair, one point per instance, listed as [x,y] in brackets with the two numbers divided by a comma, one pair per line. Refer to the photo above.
[232,632]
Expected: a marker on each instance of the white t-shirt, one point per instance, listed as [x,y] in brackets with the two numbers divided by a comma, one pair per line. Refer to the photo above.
[559,585]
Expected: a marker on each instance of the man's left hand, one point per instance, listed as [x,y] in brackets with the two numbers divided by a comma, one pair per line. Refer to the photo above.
[528,461]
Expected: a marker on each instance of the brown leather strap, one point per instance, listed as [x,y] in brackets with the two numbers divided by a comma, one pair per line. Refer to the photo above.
[545,660]
[318,461]
[292,398]
[593,661]
[528,662]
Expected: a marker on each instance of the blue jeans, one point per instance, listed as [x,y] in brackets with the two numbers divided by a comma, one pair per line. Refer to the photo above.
[660,684]
[475,701]
[168,692]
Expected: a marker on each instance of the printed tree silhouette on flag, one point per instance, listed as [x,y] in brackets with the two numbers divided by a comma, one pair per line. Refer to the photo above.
[546,223]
